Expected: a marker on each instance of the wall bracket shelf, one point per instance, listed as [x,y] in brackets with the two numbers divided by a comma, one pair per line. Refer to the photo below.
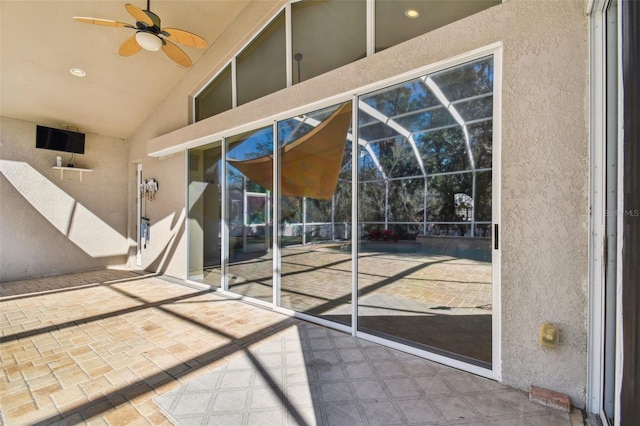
[72,169]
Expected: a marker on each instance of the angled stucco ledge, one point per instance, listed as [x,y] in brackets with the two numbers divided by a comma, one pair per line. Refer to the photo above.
[186,137]
[231,121]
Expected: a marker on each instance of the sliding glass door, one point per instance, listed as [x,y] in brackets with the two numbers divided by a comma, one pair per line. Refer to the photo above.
[205,214]
[425,206]
[419,252]
[314,229]
[249,166]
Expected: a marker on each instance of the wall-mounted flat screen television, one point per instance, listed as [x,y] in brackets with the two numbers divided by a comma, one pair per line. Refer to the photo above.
[59,140]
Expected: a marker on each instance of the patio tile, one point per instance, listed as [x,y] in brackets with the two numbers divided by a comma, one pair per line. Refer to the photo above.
[454,408]
[400,388]
[381,413]
[336,392]
[488,405]
[343,415]
[418,411]
[369,389]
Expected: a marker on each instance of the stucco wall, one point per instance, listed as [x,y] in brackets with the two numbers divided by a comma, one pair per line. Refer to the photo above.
[545,208]
[50,225]
[544,163]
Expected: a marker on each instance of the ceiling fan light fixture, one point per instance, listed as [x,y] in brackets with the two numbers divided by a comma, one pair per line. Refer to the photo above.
[148,41]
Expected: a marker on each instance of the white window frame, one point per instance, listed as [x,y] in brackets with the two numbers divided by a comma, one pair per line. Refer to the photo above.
[599,94]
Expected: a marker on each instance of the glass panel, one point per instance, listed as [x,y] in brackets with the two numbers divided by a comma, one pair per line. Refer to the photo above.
[432,118]
[261,67]
[466,81]
[291,228]
[480,136]
[400,20]
[397,158]
[341,210]
[424,263]
[205,208]
[216,97]
[406,200]
[443,201]
[373,196]
[315,212]
[327,34]
[482,204]
[369,165]
[475,108]
[376,130]
[364,118]
[443,151]
[249,212]
[408,96]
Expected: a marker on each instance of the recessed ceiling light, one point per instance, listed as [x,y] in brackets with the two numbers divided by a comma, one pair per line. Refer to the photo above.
[411,13]
[78,72]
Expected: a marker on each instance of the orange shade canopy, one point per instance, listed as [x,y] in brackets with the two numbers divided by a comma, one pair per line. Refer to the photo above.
[310,165]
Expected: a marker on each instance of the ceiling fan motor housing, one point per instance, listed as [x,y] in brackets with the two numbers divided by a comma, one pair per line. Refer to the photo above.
[155,28]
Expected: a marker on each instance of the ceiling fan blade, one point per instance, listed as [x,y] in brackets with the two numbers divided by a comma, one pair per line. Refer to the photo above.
[104,22]
[129,47]
[139,14]
[186,38]
[176,54]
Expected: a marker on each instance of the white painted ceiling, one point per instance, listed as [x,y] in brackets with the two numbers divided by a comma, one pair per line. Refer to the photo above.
[40,43]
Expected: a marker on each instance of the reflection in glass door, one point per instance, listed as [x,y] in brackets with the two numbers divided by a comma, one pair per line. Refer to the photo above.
[314,229]
[425,212]
[205,213]
[423,155]
[249,269]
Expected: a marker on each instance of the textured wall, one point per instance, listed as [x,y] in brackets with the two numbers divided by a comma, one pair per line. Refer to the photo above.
[544,156]
[50,226]
[545,188]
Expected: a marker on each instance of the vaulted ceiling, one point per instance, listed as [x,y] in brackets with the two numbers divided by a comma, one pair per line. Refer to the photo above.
[40,42]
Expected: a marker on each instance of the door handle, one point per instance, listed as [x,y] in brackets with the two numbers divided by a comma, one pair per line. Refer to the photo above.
[495,236]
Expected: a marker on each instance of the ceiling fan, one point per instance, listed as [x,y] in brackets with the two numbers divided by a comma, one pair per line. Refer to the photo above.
[151,36]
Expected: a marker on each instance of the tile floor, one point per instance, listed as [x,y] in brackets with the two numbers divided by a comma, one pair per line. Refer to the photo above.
[111,347]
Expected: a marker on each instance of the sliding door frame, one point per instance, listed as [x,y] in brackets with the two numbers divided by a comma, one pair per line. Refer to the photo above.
[495,372]
[495,52]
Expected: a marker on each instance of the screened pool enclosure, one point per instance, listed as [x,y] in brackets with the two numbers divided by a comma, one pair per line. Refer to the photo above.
[383,228]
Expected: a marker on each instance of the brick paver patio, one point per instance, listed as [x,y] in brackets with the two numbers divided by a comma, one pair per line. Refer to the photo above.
[101,345]
[98,347]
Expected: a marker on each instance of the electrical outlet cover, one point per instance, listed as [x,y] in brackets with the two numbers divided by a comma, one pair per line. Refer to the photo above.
[549,335]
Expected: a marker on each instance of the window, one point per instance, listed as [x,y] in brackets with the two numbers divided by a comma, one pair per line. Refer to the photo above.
[261,67]
[249,212]
[315,213]
[424,212]
[216,97]
[326,36]
[205,213]
[401,20]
